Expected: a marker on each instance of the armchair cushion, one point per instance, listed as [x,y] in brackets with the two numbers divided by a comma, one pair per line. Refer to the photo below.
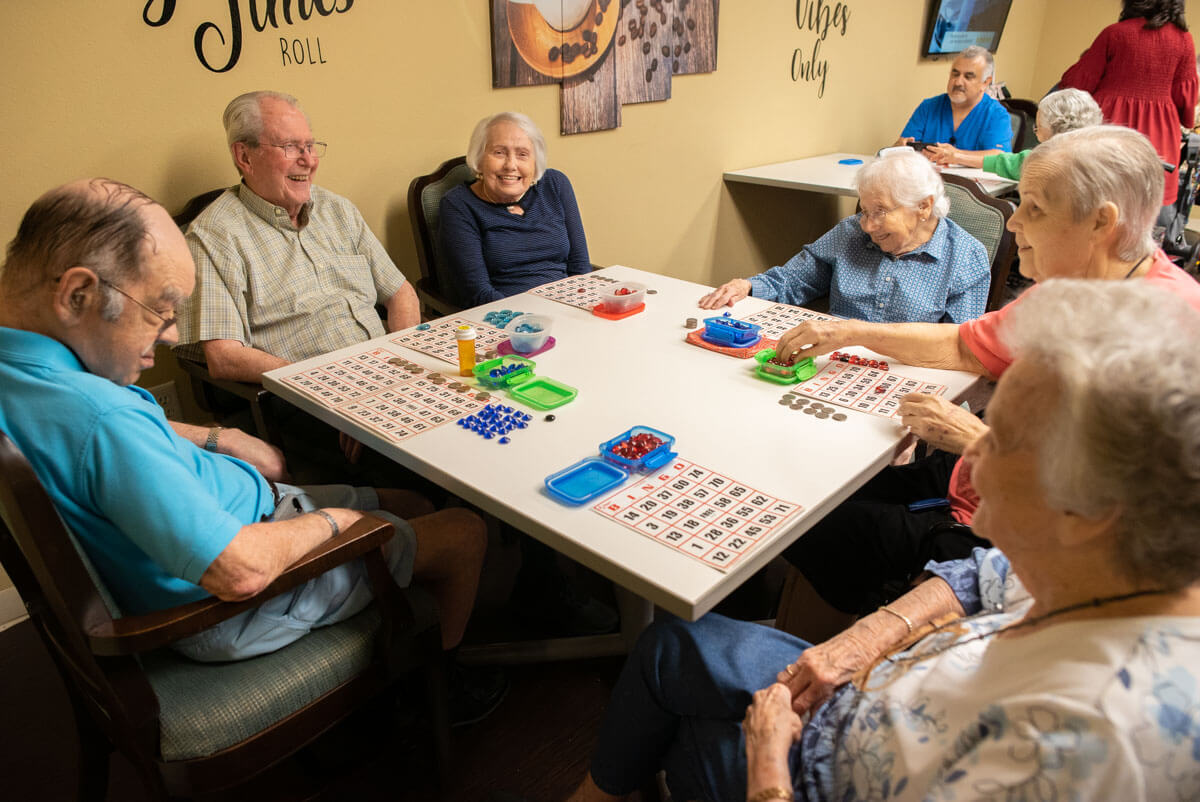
[205,707]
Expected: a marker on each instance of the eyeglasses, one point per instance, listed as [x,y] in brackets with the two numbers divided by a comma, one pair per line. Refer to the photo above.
[875,216]
[167,322]
[293,149]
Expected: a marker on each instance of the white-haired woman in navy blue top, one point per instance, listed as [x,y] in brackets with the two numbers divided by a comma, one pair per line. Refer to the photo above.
[515,226]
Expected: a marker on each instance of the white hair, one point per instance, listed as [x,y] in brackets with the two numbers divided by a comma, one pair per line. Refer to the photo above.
[243,116]
[975,51]
[479,140]
[1102,164]
[1069,109]
[908,177]
[1123,434]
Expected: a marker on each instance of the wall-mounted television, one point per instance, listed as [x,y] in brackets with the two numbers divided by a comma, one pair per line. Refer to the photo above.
[958,24]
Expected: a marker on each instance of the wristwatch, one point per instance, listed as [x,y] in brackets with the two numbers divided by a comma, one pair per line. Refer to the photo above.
[211,443]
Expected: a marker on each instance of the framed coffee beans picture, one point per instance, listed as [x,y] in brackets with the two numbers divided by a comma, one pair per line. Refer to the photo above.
[604,53]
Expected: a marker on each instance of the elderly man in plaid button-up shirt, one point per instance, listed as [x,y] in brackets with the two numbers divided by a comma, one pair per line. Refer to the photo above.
[285,270]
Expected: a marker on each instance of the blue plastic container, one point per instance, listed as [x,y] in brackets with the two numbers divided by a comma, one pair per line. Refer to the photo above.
[649,461]
[595,476]
[584,481]
[730,332]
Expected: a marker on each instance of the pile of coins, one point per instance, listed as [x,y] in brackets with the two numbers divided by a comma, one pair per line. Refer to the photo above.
[815,408]
[404,364]
[435,378]
[637,446]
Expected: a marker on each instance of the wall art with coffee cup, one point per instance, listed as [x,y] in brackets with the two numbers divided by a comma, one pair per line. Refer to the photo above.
[605,53]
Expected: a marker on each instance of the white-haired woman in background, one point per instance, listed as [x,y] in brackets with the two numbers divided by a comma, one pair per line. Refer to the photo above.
[898,260]
[1059,112]
[517,225]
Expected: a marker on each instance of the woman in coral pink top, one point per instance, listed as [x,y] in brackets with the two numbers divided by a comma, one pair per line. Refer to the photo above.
[1142,72]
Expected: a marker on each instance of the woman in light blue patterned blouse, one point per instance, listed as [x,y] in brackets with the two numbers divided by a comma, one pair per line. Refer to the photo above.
[1066,666]
[900,260]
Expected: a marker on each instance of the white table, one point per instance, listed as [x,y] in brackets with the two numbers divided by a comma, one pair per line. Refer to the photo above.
[825,175]
[639,371]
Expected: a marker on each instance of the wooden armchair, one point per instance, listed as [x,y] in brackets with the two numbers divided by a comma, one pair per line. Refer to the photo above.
[223,398]
[193,728]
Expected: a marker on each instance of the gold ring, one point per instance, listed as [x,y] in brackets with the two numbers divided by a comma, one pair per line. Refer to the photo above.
[791,670]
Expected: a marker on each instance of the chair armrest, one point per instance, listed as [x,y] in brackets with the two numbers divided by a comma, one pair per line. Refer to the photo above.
[434,299]
[141,633]
[251,391]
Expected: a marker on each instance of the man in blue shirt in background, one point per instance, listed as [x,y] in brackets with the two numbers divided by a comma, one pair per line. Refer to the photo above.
[171,512]
[965,116]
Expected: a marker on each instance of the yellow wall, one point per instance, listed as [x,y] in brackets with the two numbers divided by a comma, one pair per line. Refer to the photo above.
[1070,27]
[92,91]
[89,89]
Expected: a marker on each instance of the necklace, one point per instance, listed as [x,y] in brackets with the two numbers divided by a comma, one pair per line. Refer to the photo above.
[512,207]
[1133,269]
[1028,622]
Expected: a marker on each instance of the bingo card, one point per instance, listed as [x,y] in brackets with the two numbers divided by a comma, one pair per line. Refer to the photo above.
[582,291]
[699,512]
[438,340]
[863,388]
[775,320]
[395,403]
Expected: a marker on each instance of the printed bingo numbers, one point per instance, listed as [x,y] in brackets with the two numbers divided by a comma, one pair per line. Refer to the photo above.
[699,512]
[582,291]
[438,340]
[775,320]
[865,389]
[396,403]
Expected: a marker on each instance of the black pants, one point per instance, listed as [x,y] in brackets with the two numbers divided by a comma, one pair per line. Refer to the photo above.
[868,550]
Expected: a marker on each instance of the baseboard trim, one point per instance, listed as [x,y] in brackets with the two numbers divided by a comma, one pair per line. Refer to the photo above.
[12,609]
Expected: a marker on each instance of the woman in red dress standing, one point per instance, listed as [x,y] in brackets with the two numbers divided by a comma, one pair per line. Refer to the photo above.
[1142,72]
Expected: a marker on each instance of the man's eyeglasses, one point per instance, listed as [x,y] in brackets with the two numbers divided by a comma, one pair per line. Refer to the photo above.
[875,216]
[293,149]
[167,322]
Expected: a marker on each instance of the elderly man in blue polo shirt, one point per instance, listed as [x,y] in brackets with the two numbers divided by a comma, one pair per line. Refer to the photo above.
[170,512]
[965,116]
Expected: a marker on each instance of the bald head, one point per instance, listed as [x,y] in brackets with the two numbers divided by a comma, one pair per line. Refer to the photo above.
[98,223]
[100,267]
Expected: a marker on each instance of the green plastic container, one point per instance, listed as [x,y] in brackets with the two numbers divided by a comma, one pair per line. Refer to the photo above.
[543,393]
[523,372]
[781,374]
